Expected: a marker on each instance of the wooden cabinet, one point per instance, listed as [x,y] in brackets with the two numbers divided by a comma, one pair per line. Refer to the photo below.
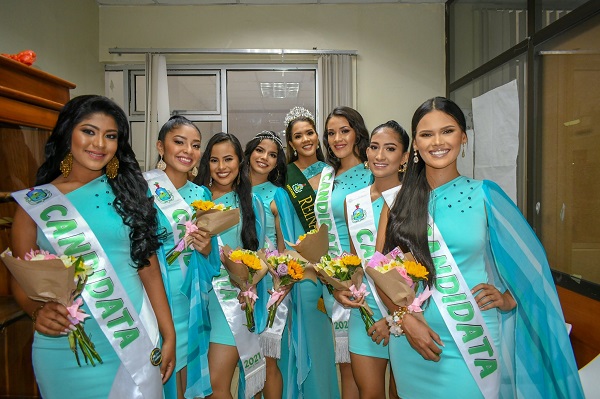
[30,101]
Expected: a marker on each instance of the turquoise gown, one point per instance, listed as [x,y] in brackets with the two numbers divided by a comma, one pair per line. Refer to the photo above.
[480,223]
[319,379]
[268,192]
[178,295]
[220,332]
[179,303]
[457,208]
[359,342]
[55,367]
[348,182]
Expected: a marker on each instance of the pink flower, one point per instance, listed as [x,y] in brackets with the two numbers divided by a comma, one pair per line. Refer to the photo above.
[75,316]
[377,259]
[39,254]
[404,274]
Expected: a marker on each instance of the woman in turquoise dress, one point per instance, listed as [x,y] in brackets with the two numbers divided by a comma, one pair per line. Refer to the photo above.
[494,324]
[92,170]
[314,361]
[346,141]
[387,157]
[224,172]
[267,167]
[178,147]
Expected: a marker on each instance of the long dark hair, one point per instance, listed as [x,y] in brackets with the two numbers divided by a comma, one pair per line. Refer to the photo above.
[357,123]
[130,189]
[407,222]
[288,138]
[242,186]
[277,175]
[402,136]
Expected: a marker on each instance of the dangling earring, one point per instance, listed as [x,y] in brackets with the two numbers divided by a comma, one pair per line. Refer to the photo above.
[66,165]
[210,182]
[295,153]
[416,158]
[463,150]
[402,168]
[161,165]
[366,163]
[195,171]
[112,167]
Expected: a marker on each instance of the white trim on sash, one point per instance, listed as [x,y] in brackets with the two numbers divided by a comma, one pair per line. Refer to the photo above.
[174,207]
[132,336]
[463,317]
[389,196]
[363,231]
[247,343]
[324,215]
[270,338]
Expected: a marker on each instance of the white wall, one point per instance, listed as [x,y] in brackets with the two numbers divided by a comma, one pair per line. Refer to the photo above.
[64,35]
[400,46]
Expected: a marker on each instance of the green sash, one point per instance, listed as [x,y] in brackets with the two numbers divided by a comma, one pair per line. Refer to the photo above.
[302,196]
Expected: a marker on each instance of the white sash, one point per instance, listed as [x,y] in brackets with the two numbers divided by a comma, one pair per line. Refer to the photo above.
[324,215]
[247,343]
[175,209]
[389,196]
[270,338]
[132,337]
[463,317]
[361,225]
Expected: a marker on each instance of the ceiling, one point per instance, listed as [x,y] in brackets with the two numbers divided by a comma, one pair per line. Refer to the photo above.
[246,2]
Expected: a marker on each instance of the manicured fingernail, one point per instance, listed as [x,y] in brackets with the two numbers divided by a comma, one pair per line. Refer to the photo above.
[72,327]
[63,333]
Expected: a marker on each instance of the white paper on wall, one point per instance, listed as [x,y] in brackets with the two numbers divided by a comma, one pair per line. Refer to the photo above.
[496,136]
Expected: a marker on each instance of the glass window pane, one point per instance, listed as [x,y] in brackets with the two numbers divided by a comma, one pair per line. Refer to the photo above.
[569,127]
[188,94]
[552,10]
[114,87]
[208,129]
[260,100]
[138,142]
[139,104]
[193,93]
[482,30]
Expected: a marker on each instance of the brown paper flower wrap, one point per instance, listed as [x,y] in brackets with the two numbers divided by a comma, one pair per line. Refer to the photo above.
[245,270]
[346,273]
[48,278]
[312,245]
[286,268]
[210,217]
[399,276]
[215,218]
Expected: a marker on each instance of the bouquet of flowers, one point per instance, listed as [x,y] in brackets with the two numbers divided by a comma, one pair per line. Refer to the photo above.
[346,273]
[312,245]
[245,270]
[210,217]
[399,276]
[50,278]
[286,268]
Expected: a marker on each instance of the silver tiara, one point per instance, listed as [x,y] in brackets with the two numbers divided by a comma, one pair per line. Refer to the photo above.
[267,134]
[295,113]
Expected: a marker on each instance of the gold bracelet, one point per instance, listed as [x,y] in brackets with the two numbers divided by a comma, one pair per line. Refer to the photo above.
[36,311]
